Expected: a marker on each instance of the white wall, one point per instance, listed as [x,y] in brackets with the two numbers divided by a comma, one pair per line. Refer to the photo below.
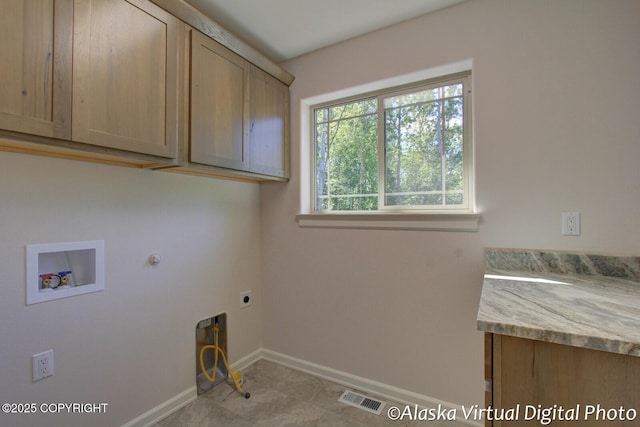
[133,345]
[556,101]
[556,105]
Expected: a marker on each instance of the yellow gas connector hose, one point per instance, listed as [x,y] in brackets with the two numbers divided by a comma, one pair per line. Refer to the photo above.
[235,375]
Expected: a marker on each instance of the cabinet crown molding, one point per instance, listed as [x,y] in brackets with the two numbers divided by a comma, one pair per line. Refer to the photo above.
[217,32]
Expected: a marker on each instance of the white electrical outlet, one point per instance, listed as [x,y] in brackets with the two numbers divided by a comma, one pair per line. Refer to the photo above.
[570,223]
[245,299]
[42,365]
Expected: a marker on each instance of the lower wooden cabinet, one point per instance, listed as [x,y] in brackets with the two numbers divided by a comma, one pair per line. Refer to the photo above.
[488,374]
[539,383]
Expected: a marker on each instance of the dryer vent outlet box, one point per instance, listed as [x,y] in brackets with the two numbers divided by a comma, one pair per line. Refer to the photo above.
[205,336]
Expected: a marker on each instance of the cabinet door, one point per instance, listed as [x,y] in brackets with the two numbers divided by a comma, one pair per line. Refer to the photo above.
[269,148]
[529,373]
[219,105]
[35,59]
[488,374]
[125,76]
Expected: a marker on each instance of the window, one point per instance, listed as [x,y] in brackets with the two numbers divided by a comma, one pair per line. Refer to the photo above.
[402,149]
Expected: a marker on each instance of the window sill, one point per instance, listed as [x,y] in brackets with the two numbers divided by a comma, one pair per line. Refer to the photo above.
[392,221]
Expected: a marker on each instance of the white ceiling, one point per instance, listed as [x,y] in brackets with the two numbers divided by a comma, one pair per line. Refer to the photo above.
[283,29]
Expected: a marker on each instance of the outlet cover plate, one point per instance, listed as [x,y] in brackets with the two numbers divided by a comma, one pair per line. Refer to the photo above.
[42,365]
[570,223]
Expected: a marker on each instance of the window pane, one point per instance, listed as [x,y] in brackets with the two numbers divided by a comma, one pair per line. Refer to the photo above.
[348,110]
[347,157]
[322,115]
[453,151]
[423,148]
[412,154]
[424,96]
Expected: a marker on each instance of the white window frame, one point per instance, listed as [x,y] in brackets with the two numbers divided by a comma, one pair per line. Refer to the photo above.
[457,219]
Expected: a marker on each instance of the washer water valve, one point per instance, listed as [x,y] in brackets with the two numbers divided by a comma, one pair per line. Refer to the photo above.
[54,280]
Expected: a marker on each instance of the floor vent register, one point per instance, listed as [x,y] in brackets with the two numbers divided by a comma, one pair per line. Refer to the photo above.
[363,402]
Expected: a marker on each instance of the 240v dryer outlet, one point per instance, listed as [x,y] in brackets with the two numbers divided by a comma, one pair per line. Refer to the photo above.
[245,299]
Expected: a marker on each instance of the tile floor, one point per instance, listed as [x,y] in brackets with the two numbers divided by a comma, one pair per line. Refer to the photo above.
[281,396]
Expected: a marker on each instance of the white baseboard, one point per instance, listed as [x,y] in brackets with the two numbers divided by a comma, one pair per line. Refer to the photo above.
[363,384]
[247,361]
[378,389]
[165,409]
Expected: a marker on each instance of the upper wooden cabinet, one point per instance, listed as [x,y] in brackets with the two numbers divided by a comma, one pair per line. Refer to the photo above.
[219,105]
[90,80]
[237,116]
[237,87]
[125,76]
[127,82]
[35,59]
[269,128]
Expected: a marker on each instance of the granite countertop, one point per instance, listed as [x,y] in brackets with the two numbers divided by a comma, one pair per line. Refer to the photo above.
[589,301]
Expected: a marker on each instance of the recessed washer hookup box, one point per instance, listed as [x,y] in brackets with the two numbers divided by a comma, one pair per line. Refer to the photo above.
[62,270]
